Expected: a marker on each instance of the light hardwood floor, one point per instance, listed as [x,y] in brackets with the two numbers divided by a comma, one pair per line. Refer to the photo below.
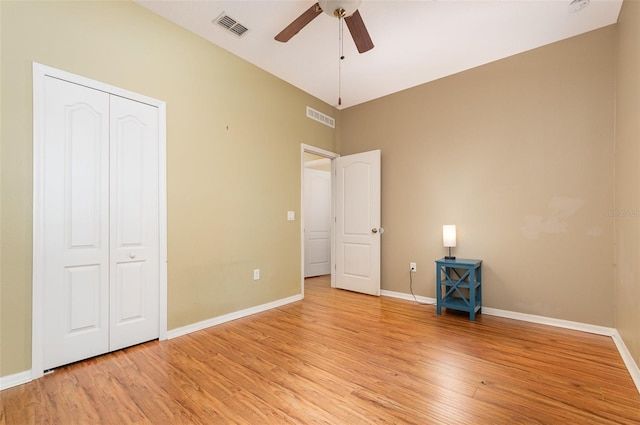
[339,357]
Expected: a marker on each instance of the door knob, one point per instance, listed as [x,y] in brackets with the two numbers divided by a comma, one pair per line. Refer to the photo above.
[132,255]
[375,230]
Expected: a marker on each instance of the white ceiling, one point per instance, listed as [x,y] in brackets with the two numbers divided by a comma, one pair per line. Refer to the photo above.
[415,41]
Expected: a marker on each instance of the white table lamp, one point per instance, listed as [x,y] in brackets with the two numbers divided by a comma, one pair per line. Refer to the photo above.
[449,239]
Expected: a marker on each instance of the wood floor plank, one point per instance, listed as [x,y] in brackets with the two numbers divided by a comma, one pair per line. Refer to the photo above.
[339,357]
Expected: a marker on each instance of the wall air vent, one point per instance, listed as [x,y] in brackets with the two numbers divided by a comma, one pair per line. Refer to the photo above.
[227,22]
[320,117]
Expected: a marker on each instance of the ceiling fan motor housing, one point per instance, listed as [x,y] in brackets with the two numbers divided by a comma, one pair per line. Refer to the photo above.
[339,8]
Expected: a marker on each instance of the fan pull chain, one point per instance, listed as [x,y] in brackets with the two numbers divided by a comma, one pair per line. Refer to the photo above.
[341,51]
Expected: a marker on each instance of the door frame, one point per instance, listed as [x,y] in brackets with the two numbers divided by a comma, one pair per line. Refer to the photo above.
[40,72]
[331,156]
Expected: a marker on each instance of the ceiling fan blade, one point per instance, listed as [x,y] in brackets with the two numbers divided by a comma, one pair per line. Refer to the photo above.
[300,22]
[359,32]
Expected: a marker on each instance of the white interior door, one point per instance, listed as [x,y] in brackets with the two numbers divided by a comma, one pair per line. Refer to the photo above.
[101,223]
[317,222]
[76,223]
[358,222]
[134,259]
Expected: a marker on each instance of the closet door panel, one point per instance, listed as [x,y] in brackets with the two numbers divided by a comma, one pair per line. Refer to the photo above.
[135,249]
[76,224]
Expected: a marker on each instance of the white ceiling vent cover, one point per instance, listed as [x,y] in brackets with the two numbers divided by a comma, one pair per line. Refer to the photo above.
[320,117]
[230,24]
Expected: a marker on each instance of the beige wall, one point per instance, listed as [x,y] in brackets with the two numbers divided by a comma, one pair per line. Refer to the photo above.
[627,293]
[233,146]
[519,154]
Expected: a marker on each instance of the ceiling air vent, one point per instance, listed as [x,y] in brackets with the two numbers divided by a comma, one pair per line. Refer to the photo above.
[230,24]
[320,117]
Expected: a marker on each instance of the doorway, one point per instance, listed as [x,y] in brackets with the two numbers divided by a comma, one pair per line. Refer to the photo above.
[317,217]
[323,161]
[355,219]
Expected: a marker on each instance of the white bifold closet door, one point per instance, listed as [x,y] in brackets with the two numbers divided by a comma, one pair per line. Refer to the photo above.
[101,223]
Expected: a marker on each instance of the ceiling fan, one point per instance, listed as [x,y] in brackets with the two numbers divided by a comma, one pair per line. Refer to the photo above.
[345,9]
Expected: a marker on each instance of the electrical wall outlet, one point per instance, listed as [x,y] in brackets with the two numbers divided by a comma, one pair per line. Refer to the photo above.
[256,274]
[412,267]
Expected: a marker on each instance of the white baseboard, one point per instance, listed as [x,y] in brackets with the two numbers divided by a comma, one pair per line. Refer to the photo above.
[15,379]
[194,327]
[408,297]
[550,321]
[627,358]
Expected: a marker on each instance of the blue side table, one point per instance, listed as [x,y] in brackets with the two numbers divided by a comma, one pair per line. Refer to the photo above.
[459,285]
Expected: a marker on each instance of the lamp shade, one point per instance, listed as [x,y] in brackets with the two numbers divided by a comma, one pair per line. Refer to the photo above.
[449,235]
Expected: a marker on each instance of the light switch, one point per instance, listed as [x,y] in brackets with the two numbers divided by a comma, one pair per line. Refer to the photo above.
[291,215]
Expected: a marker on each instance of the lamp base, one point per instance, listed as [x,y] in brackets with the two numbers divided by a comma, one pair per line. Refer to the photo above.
[449,257]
